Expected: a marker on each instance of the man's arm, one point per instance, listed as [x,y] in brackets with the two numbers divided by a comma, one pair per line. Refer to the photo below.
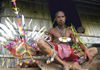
[86,52]
[50,35]
[73,39]
[72,36]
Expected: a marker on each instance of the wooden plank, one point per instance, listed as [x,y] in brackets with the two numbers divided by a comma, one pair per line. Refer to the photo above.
[51,66]
[93,40]
[19,69]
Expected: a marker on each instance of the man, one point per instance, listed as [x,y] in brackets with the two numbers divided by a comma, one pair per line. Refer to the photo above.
[62,37]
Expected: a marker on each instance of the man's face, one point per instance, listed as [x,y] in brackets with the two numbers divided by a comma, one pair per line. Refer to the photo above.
[60,18]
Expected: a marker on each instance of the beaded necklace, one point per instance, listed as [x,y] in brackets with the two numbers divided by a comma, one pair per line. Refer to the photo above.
[62,32]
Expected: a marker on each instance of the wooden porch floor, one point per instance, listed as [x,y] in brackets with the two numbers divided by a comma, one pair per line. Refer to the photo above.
[95,65]
[19,69]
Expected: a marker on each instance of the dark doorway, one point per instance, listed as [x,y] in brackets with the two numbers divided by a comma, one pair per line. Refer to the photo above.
[69,8]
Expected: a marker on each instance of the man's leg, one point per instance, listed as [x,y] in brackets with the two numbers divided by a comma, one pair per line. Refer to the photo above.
[92,51]
[45,48]
[76,66]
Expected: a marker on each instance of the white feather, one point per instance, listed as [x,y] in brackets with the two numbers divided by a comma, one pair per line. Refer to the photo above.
[30,23]
[13,23]
[38,34]
[33,32]
[34,35]
[2,39]
[8,32]
[11,27]
[23,21]
[3,33]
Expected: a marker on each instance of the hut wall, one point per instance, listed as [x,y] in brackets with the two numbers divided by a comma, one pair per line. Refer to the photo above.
[36,10]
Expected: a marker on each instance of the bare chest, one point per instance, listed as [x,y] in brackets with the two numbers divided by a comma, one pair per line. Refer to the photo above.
[57,34]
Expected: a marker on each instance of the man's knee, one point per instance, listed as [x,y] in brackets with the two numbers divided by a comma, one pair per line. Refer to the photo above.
[40,42]
[93,50]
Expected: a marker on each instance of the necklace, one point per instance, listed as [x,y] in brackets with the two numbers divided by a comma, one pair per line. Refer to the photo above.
[62,32]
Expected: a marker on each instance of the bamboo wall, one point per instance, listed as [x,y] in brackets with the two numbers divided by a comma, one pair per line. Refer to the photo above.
[89,15]
[91,25]
[36,10]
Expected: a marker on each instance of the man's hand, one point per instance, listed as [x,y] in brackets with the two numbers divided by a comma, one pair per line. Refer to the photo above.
[89,57]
